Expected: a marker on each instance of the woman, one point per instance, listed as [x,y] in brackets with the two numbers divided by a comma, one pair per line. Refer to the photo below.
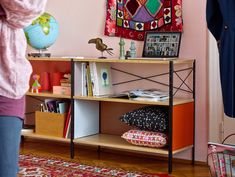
[15,72]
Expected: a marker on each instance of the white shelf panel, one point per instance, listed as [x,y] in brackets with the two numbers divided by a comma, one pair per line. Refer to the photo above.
[116,142]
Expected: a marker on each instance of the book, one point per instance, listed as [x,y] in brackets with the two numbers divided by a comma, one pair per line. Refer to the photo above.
[62,107]
[68,132]
[67,123]
[101,74]
[84,82]
[89,83]
[65,84]
[50,105]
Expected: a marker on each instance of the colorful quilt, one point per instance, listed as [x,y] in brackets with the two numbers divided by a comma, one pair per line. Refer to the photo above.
[132,18]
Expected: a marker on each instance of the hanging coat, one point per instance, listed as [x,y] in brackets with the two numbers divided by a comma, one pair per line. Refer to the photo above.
[220,15]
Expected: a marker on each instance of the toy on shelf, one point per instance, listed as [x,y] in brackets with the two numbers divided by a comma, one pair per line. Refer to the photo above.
[132,50]
[36,86]
[122,50]
[101,46]
[66,80]
[64,88]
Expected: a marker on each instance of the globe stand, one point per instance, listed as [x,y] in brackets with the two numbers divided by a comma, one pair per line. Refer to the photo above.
[40,54]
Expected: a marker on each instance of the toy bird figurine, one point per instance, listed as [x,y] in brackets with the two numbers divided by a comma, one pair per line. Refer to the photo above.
[100,46]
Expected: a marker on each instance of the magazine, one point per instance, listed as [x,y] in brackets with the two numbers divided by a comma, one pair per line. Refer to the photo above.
[148,95]
[141,95]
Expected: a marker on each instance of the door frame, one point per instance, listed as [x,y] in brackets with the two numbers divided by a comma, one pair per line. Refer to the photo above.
[216,113]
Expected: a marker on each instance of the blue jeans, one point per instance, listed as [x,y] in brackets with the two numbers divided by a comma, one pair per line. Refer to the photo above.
[10,132]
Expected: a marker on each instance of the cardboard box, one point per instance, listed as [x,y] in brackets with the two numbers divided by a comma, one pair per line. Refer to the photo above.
[51,124]
[62,90]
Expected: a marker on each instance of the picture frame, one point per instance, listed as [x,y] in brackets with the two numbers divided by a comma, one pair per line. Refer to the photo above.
[161,44]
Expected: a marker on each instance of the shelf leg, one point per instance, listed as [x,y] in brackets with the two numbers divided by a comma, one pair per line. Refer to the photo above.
[72,111]
[194,114]
[71,150]
[170,127]
[170,163]
[98,150]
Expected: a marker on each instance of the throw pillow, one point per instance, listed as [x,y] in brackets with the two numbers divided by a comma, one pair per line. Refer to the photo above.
[151,118]
[145,138]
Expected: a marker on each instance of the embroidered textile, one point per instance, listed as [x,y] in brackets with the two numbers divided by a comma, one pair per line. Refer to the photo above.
[131,18]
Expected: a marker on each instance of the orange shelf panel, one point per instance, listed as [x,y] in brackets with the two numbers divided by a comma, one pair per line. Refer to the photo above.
[183,125]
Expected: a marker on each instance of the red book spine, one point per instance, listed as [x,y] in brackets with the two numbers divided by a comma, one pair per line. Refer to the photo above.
[66,127]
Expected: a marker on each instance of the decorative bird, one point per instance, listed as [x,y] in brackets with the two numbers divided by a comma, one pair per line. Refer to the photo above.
[100,46]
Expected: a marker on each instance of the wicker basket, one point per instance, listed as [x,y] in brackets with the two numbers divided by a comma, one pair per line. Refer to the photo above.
[221,159]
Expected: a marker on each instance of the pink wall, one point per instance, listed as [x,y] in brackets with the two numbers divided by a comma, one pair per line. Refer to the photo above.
[81,20]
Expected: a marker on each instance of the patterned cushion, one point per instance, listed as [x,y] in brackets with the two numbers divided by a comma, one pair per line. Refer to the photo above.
[145,138]
[151,118]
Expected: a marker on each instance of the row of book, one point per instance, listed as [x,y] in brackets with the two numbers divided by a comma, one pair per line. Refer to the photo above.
[59,106]
[51,124]
[54,106]
[96,79]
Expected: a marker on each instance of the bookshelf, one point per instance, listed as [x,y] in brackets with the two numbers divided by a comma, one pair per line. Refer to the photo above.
[88,111]
[181,138]
[49,65]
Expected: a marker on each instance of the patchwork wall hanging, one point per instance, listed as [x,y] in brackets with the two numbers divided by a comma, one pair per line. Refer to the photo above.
[131,18]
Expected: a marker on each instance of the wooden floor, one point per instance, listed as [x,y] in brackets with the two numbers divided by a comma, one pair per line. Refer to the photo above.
[106,158]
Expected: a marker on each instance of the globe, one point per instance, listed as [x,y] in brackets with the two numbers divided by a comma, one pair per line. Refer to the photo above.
[42,32]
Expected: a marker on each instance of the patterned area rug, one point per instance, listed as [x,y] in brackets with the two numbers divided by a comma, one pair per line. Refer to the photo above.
[35,166]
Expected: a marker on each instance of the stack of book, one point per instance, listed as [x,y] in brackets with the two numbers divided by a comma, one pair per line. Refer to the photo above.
[65,85]
[96,79]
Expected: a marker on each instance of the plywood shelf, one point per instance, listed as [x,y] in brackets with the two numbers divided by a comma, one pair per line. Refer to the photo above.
[48,59]
[43,137]
[176,101]
[47,94]
[139,60]
[115,60]
[116,142]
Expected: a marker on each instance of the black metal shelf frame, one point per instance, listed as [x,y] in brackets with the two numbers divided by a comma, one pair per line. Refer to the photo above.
[172,93]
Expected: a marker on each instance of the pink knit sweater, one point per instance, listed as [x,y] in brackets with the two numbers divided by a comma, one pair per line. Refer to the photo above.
[15,70]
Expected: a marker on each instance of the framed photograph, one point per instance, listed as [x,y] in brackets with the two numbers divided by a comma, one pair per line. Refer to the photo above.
[162,44]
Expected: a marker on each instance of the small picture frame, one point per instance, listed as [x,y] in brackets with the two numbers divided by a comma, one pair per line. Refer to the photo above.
[161,44]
